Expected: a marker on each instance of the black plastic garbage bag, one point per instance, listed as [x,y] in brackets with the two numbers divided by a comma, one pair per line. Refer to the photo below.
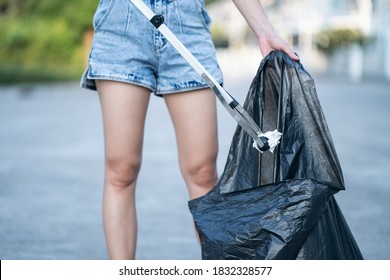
[278,205]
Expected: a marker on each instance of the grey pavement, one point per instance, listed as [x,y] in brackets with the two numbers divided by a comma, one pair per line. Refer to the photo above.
[51,171]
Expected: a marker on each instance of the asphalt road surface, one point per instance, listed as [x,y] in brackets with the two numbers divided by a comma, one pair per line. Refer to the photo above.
[51,171]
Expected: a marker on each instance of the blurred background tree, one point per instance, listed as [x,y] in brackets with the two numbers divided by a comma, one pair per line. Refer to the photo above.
[210,1]
[330,40]
[43,39]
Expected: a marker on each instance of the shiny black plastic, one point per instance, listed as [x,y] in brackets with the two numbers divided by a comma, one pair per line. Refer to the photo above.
[280,205]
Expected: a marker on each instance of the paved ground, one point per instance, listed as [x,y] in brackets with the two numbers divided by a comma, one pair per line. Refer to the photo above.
[51,172]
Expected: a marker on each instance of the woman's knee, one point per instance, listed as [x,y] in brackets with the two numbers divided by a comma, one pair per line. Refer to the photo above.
[200,174]
[122,173]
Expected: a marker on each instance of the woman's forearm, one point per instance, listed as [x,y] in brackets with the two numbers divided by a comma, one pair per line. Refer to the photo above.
[254,14]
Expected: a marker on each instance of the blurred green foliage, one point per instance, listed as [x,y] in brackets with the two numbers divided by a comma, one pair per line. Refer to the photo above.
[220,36]
[331,40]
[210,1]
[43,39]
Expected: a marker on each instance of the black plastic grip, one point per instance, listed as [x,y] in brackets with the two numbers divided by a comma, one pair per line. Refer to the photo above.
[157,20]
[265,146]
[233,104]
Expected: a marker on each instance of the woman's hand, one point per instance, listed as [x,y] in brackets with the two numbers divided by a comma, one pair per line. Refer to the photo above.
[254,14]
[271,41]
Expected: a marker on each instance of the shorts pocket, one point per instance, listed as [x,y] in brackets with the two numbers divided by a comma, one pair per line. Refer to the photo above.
[102,12]
[204,15]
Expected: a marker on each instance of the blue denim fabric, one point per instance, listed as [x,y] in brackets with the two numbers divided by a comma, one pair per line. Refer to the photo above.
[127,47]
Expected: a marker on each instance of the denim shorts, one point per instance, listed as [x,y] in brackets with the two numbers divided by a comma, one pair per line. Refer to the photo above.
[127,47]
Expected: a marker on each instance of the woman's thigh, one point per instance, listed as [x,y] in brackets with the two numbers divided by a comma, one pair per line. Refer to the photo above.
[195,120]
[124,109]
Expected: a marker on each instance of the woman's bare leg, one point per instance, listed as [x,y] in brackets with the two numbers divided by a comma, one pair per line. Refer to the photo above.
[195,120]
[124,109]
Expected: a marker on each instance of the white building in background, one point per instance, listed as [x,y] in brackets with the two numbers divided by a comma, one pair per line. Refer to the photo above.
[299,21]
